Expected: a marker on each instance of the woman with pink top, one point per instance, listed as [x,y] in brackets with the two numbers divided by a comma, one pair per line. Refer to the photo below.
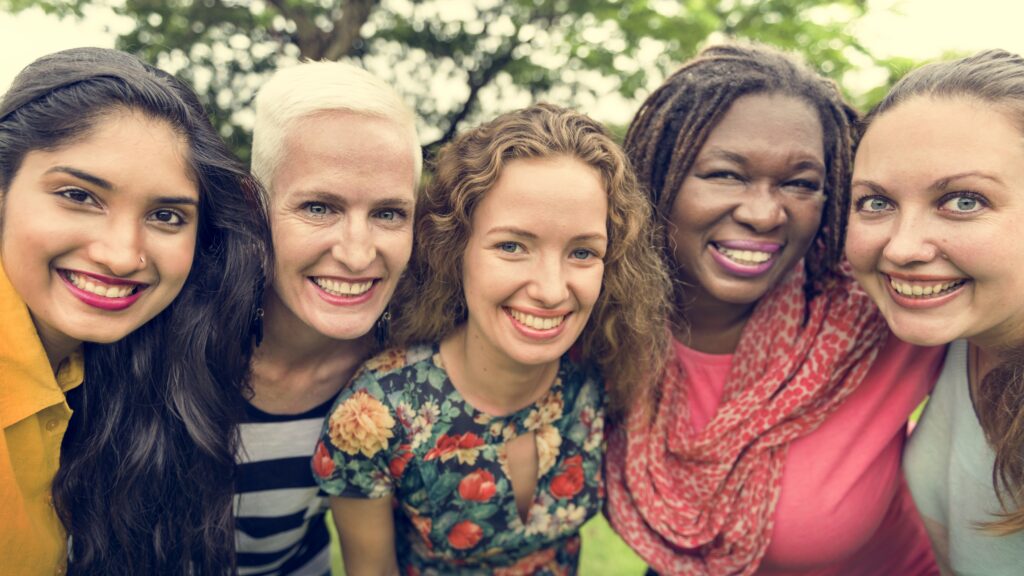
[772,444]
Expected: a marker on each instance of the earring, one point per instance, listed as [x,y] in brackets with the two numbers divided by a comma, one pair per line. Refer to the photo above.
[382,329]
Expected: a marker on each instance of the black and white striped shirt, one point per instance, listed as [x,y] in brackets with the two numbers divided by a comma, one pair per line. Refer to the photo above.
[279,509]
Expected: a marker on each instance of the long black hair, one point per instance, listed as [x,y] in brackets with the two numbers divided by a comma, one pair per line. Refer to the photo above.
[145,483]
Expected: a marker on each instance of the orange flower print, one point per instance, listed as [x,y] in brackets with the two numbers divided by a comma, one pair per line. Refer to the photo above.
[323,464]
[361,424]
[386,361]
[477,486]
[465,535]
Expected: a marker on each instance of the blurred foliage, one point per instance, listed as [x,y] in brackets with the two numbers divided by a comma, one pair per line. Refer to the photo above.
[458,61]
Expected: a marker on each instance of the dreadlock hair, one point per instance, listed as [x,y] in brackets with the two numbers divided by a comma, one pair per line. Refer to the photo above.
[145,479]
[626,333]
[668,132]
[995,78]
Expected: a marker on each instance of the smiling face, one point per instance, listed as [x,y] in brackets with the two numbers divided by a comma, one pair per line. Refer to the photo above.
[936,218]
[341,212]
[98,236]
[751,204]
[532,273]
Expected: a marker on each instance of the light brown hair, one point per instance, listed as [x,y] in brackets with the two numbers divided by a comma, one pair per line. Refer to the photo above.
[626,334]
[995,77]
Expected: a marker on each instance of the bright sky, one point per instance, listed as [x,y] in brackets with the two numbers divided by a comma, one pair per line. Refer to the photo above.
[916,28]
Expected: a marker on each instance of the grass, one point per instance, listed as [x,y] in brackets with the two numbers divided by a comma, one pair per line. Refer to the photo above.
[603,552]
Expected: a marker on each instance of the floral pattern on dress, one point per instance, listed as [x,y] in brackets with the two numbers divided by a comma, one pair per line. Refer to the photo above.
[402,428]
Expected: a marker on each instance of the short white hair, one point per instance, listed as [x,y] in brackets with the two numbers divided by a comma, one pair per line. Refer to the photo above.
[307,88]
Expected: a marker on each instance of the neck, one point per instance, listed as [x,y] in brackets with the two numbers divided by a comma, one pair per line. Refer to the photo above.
[712,326]
[491,382]
[58,346]
[296,365]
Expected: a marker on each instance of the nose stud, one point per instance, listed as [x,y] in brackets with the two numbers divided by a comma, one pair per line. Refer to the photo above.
[142,260]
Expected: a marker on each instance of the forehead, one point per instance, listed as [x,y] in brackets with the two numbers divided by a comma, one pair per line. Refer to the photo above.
[769,121]
[559,194]
[939,136]
[336,150]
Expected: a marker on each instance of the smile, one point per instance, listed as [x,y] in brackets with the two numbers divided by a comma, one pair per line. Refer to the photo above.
[536,322]
[745,258]
[102,292]
[342,288]
[924,290]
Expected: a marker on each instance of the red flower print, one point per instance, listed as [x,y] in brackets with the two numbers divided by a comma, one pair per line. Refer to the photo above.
[569,482]
[477,486]
[399,462]
[464,446]
[323,464]
[465,535]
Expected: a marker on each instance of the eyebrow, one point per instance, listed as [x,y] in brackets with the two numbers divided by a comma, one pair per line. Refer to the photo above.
[82,175]
[531,236]
[802,164]
[101,183]
[940,184]
[329,197]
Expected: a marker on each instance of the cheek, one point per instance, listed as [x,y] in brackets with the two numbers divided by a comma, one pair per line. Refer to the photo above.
[176,259]
[588,286]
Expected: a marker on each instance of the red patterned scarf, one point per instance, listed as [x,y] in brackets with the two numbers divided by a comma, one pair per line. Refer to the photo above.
[703,503]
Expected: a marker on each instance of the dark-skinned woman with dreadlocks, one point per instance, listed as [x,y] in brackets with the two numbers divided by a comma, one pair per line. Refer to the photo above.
[772,443]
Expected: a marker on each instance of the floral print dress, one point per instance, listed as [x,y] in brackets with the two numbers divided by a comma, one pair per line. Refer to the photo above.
[401,428]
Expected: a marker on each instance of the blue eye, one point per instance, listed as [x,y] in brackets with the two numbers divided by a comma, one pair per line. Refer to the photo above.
[963,203]
[510,247]
[873,204]
[583,254]
[317,208]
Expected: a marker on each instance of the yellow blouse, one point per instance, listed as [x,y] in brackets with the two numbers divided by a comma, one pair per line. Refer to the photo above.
[34,414]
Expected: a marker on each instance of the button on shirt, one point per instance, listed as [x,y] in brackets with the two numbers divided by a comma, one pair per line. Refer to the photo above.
[34,415]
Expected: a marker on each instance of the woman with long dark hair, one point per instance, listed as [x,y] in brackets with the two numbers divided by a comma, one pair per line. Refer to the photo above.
[934,238]
[132,238]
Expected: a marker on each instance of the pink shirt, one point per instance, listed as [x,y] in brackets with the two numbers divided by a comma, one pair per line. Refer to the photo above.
[844,507]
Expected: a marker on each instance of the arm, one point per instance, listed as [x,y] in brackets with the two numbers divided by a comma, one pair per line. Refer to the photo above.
[366,530]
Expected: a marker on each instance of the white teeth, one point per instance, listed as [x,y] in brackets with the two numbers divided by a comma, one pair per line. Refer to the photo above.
[923,290]
[92,287]
[744,256]
[535,322]
[339,288]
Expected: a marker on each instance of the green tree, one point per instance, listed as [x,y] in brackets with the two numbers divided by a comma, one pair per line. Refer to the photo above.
[459,60]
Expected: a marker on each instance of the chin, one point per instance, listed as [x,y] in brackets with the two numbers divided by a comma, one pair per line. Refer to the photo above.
[923,334]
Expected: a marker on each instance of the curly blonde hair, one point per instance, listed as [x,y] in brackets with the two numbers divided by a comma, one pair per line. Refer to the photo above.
[626,334]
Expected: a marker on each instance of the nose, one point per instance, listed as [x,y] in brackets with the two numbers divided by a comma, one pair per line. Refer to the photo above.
[909,242]
[548,286]
[355,246]
[119,247]
[760,209]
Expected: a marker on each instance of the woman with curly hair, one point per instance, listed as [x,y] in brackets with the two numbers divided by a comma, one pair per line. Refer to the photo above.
[773,443]
[534,280]
[133,245]
[938,202]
